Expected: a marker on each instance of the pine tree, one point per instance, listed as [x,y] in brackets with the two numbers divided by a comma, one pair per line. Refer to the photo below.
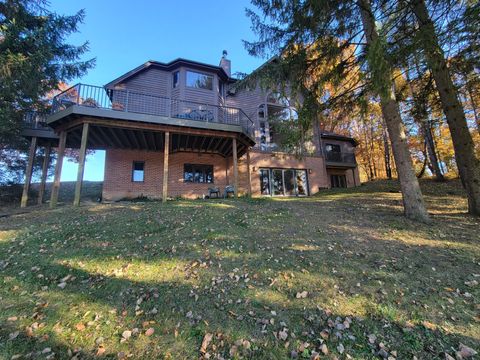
[313,34]
[34,59]
[468,164]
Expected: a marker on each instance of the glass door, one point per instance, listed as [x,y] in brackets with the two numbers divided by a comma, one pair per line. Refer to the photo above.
[289,181]
[302,185]
[283,182]
[277,182]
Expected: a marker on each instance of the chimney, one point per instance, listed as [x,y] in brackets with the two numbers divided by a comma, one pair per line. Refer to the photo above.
[226,64]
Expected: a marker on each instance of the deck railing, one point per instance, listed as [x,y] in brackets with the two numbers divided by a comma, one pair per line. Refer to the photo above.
[36,120]
[144,103]
[340,157]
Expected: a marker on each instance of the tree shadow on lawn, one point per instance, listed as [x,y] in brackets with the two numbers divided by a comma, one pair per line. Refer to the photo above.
[180,318]
[407,273]
[328,263]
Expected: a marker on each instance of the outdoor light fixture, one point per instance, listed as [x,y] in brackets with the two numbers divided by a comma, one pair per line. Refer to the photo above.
[309,171]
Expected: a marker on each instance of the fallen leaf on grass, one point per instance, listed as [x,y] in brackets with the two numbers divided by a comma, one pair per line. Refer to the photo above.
[301,295]
[149,332]
[206,341]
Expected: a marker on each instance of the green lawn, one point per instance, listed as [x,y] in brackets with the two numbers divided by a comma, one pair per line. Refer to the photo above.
[341,272]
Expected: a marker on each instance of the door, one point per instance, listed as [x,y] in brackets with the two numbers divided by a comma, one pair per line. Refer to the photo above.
[283,182]
[289,182]
[277,182]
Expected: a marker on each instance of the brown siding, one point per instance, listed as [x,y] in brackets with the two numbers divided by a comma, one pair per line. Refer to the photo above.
[153,81]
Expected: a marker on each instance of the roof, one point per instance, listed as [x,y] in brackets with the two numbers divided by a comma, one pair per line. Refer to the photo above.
[333,136]
[172,65]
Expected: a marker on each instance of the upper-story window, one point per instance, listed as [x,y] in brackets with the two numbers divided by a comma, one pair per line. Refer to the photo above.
[176,79]
[332,148]
[199,80]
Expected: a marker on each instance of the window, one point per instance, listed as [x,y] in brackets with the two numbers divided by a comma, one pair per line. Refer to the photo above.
[198,173]
[332,148]
[333,152]
[284,182]
[265,181]
[263,135]
[199,80]
[138,171]
[176,78]
[338,181]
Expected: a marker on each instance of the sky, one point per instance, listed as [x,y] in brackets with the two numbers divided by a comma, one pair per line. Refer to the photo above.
[124,34]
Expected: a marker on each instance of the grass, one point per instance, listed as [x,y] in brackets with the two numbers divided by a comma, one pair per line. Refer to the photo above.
[73,280]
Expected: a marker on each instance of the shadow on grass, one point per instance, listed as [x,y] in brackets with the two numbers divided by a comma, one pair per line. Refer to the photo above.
[233,268]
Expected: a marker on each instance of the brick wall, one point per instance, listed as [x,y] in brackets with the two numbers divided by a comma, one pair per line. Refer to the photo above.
[118,173]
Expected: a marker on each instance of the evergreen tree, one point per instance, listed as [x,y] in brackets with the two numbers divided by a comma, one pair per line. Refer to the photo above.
[34,59]
[467,162]
[316,34]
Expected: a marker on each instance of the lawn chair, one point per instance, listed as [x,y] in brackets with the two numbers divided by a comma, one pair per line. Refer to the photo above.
[215,191]
[229,189]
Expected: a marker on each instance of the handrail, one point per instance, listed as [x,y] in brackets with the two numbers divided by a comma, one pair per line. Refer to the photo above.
[340,157]
[150,104]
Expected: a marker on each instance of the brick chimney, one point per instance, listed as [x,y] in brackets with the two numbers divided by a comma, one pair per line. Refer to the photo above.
[226,64]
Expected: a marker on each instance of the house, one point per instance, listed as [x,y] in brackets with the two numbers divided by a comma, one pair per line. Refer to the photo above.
[177,129]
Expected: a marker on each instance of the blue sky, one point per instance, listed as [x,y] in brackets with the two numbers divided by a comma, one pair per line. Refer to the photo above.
[124,34]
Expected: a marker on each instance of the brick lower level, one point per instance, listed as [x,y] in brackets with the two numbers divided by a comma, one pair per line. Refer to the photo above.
[118,182]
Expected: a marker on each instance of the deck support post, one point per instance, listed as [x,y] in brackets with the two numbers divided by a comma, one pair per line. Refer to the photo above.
[165,167]
[28,172]
[81,164]
[249,175]
[235,166]
[58,169]
[46,162]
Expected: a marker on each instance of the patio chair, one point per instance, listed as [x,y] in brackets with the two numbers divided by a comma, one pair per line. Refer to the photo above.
[214,190]
[229,189]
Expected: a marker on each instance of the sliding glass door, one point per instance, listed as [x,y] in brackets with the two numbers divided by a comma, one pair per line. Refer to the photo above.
[283,182]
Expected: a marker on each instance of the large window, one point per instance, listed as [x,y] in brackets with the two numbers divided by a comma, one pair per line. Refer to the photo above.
[198,173]
[199,80]
[138,171]
[333,152]
[283,182]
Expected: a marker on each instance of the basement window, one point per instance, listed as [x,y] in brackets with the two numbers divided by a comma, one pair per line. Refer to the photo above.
[138,171]
[198,173]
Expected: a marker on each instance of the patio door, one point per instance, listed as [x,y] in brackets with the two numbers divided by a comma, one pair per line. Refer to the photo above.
[283,182]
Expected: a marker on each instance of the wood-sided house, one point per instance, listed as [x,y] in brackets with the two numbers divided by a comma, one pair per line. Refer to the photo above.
[177,129]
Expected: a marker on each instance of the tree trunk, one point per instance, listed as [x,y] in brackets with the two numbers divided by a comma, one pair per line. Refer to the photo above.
[473,104]
[412,196]
[386,146]
[432,154]
[467,163]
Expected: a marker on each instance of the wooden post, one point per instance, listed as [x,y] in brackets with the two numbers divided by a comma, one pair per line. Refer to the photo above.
[165,166]
[58,169]
[28,172]
[81,164]
[46,162]
[249,175]
[235,166]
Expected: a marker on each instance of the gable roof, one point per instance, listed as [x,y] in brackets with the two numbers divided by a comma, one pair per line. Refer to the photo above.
[172,65]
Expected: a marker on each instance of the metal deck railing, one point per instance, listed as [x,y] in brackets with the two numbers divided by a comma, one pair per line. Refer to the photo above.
[144,103]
